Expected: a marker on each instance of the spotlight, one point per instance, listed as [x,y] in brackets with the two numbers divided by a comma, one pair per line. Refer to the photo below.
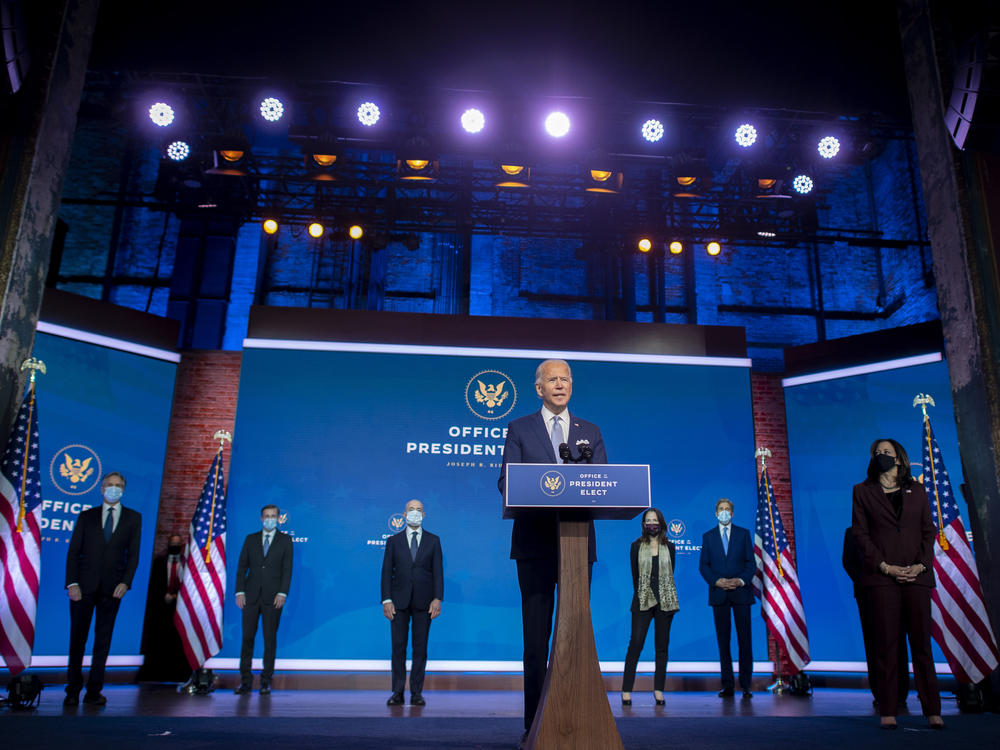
[178,151]
[473,120]
[645,245]
[270,226]
[161,114]
[356,232]
[676,248]
[828,147]
[557,124]
[746,135]
[368,113]
[417,160]
[652,130]
[514,176]
[766,233]
[321,160]
[604,181]
[713,248]
[803,184]
[271,109]
[230,158]
[316,230]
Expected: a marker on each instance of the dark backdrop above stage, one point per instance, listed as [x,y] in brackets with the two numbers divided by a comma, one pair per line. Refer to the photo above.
[343,436]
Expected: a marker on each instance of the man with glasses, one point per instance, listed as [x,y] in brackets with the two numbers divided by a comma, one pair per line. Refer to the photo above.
[534,543]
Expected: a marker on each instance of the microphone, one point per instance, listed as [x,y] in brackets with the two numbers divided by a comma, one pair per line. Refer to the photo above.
[586,454]
[565,454]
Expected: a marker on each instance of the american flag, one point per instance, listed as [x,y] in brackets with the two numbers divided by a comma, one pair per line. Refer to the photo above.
[203,590]
[20,548]
[959,621]
[775,583]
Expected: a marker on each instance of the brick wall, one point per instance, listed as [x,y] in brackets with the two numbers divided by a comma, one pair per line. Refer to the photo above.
[204,401]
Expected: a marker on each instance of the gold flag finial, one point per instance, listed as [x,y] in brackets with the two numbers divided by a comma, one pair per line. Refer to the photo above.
[921,400]
[35,365]
[762,453]
[223,436]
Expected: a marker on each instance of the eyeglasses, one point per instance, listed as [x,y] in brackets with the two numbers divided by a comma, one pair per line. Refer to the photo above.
[558,379]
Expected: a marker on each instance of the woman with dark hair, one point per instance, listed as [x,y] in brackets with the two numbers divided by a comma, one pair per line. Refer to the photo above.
[654,600]
[891,522]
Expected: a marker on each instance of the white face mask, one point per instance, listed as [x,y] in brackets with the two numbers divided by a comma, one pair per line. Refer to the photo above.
[414,517]
[724,516]
[113,494]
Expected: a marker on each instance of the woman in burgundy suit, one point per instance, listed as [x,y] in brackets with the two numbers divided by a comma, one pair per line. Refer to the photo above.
[891,520]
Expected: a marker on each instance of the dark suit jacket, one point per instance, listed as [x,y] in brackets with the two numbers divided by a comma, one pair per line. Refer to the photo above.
[881,537]
[528,443]
[262,578]
[739,563]
[408,582]
[634,556]
[98,565]
[851,559]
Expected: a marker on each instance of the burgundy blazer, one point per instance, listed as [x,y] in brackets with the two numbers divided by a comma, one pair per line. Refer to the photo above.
[882,537]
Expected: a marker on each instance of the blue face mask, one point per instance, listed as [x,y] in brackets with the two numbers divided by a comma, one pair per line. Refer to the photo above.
[414,518]
[113,494]
[724,516]
[269,524]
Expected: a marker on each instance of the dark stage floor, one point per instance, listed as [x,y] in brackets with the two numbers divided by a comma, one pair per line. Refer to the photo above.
[153,716]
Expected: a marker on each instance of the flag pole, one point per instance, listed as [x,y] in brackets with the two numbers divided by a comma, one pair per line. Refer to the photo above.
[921,400]
[780,686]
[222,436]
[33,364]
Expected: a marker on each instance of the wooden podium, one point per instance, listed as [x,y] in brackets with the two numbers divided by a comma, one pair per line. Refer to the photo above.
[573,712]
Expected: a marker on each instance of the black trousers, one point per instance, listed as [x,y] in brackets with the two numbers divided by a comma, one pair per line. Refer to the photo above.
[661,642]
[537,580]
[80,615]
[899,609]
[400,629]
[868,635]
[269,617]
[723,631]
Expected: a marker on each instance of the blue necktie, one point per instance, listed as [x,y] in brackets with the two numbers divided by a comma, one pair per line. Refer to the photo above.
[109,524]
[267,543]
[413,546]
[725,539]
[557,437]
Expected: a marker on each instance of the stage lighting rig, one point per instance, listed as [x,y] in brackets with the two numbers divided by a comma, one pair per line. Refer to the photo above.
[746,135]
[417,161]
[230,159]
[272,108]
[644,244]
[321,160]
[713,248]
[161,114]
[514,176]
[473,120]
[676,248]
[355,232]
[557,124]
[828,146]
[270,226]
[802,184]
[652,130]
[368,113]
[178,151]
[315,230]
[604,180]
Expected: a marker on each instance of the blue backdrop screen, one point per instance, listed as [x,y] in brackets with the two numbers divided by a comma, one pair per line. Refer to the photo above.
[99,410]
[341,440]
[831,425]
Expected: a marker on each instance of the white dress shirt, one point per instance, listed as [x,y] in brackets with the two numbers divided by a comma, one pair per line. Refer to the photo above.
[105,509]
[563,421]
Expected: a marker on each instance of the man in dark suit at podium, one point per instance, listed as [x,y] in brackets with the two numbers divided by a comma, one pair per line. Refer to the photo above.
[727,564]
[263,576]
[534,542]
[412,590]
[100,564]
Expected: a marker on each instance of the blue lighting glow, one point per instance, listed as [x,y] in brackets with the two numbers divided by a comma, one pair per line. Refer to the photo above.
[368,113]
[557,124]
[746,135]
[178,151]
[271,109]
[161,114]
[803,184]
[473,120]
[652,130]
[828,147]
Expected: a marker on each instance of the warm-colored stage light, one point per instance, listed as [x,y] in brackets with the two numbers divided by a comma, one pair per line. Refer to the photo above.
[676,248]
[645,245]
[417,164]
[232,154]
[600,175]
[316,230]
[713,248]
[746,135]
[652,130]
[686,181]
[324,160]
[270,226]
[368,113]
[557,124]
[271,109]
[356,232]
[766,183]
[161,114]
[828,147]
[512,169]
[803,184]
[514,176]
[473,120]
[178,151]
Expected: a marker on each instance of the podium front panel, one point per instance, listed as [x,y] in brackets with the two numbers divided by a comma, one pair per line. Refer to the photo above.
[602,491]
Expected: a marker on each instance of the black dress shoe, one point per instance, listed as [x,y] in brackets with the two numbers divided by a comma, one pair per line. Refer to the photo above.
[889,727]
[71,699]
[659,701]
[396,699]
[94,699]
[265,687]
[726,693]
[244,687]
[747,694]
[416,699]
[626,701]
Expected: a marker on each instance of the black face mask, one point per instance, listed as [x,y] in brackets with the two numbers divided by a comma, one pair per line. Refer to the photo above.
[651,529]
[883,462]
[175,549]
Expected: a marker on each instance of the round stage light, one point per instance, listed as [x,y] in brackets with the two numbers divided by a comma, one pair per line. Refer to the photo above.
[676,248]
[802,184]
[713,248]
[356,232]
[270,226]
[652,130]
[473,120]
[557,124]
[178,151]
[271,109]
[645,245]
[828,147]
[368,113]
[161,114]
[316,230]
[512,169]
[746,135]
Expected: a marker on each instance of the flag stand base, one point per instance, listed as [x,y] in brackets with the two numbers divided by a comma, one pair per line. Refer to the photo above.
[780,687]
